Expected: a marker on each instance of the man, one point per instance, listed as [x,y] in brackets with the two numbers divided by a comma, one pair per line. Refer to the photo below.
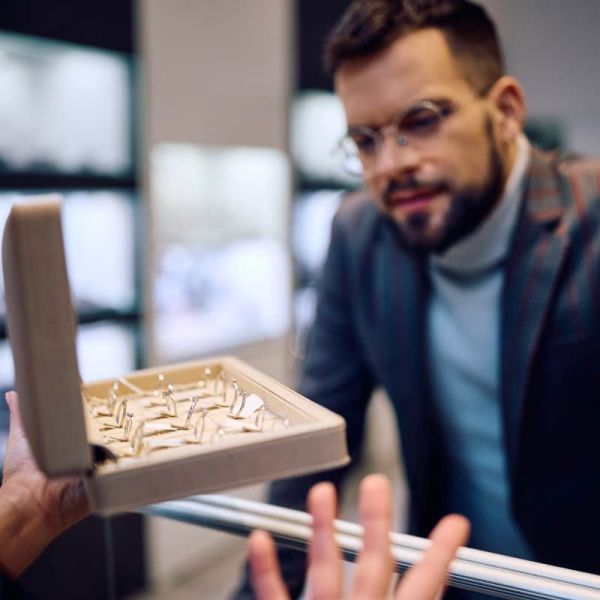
[34,510]
[465,283]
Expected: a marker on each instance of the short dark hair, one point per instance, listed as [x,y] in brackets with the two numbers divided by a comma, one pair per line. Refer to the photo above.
[369,26]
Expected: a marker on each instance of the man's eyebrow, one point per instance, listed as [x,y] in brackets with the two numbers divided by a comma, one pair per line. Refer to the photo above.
[440,101]
[359,127]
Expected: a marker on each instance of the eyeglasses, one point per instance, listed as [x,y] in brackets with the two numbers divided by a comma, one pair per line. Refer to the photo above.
[418,126]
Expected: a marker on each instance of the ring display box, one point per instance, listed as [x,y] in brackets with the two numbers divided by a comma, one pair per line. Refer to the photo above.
[154,434]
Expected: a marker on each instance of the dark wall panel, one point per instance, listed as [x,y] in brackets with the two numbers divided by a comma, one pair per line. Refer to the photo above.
[101,23]
[314,20]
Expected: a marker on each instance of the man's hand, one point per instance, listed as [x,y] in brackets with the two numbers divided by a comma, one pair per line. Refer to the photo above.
[373,575]
[33,509]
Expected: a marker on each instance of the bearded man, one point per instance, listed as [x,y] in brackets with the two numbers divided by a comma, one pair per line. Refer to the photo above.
[465,282]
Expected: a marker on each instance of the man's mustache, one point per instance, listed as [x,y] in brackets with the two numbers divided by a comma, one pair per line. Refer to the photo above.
[410,184]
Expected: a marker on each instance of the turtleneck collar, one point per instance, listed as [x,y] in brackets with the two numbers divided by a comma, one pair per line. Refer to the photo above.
[488,245]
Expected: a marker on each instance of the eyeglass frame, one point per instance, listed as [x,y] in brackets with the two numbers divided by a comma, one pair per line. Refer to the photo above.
[443,109]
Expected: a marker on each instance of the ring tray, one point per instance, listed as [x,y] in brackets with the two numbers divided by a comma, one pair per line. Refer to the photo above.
[153,434]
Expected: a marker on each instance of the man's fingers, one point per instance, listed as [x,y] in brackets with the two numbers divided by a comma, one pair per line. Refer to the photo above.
[264,568]
[427,578]
[374,568]
[325,578]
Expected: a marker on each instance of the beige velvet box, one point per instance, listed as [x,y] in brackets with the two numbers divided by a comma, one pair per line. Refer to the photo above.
[138,439]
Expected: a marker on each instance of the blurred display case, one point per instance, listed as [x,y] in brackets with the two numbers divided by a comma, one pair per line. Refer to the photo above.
[100,244]
[105,350]
[64,109]
[317,124]
[222,274]
[67,127]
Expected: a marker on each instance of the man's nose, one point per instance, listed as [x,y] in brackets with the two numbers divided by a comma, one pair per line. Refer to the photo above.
[393,158]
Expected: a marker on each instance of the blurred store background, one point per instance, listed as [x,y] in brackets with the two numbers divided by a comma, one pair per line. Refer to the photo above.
[193,144]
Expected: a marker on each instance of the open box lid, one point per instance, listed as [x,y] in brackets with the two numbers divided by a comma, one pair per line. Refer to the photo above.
[42,328]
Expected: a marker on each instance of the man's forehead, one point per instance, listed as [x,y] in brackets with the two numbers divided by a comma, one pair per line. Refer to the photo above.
[415,67]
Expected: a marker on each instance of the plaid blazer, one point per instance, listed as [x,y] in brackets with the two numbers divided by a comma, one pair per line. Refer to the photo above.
[370,331]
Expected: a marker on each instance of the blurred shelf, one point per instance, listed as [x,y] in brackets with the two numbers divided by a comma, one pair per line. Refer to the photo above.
[44,181]
[306,185]
[123,317]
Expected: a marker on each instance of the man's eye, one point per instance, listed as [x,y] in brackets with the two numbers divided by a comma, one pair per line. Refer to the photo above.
[421,121]
[364,143]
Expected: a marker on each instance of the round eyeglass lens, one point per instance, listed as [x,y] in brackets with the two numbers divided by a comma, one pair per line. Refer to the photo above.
[351,162]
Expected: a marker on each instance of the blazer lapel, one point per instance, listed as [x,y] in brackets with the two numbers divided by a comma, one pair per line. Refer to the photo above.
[402,296]
[538,251]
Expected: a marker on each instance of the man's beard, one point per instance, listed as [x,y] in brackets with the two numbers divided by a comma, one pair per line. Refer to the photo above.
[467,210]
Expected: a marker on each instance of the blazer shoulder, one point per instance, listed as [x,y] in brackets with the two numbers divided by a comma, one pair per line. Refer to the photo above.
[551,163]
[567,184]
[580,166]
[357,224]
[582,178]
[357,216]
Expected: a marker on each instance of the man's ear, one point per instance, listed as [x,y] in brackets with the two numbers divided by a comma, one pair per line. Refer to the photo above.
[509,108]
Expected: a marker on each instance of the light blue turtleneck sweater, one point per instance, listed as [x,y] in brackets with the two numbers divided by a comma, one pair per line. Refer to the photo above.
[464,349]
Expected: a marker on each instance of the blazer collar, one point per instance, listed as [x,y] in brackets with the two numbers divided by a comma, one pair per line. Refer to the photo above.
[537,254]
